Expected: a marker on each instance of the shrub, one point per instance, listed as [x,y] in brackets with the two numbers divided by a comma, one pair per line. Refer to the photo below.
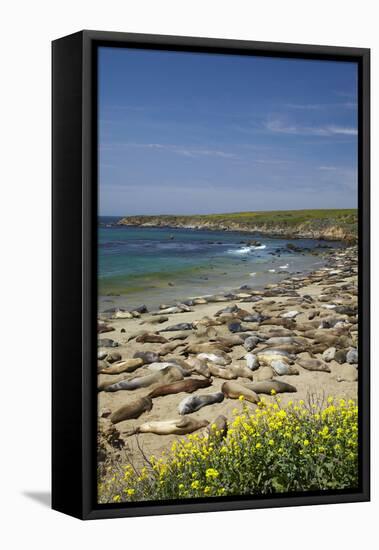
[272,449]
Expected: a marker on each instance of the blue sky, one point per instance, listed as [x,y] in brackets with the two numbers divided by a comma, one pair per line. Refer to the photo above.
[185,133]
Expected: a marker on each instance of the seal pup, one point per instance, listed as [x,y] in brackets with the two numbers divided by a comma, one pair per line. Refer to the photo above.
[166,375]
[128,365]
[194,403]
[133,409]
[181,426]
[267,386]
[207,347]
[179,326]
[234,390]
[188,386]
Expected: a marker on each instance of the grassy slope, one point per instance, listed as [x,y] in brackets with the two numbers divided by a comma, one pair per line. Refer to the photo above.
[338,223]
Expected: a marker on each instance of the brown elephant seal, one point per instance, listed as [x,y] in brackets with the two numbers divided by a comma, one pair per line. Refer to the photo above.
[194,403]
[267,386]
[109,381]
[220,372]
[147,356]
[234,390]
[169,347]
[151,338]
[313,365]
[134,409]
[206,347]
[264,373]
[267,356]
[128,365]
[218,428]
[165,376]
[188,386]
[181,426]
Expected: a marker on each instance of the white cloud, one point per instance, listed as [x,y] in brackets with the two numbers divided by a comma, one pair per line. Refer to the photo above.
[280,127]
[176,149]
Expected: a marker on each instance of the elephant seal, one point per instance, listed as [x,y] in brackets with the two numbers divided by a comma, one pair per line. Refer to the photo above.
[164,376]
[134,409]
[314,365]
[200,367]
[110,381]
[217,428]
[281,368]
[129,365]
[220,372]
[193,403]
[179,426]
[207,347]
[219,358]
[147,356]
[264,373]
[252,361]
[154,320]
[169,348]
[179,326]
[151,338]
[234,390]
[267,356]
[188,386]
[266,386]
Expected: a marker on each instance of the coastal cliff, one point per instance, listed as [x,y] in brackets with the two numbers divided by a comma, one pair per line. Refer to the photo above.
[336,225]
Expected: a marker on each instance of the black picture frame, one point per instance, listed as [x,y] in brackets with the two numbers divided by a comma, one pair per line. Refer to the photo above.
[74,205]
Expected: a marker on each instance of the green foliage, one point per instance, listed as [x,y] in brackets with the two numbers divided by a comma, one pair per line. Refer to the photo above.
[267,450]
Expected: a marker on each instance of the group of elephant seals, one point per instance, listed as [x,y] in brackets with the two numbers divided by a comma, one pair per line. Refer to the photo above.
[234,390]
[181,426]
[166,375]
[193,403]
[188,386]
[134,409]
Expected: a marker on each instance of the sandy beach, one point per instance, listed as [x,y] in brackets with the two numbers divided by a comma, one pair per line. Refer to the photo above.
[317,311]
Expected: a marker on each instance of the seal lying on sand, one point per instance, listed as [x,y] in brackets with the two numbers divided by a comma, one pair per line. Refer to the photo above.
[266,386]
[187,386]
[218,357]
[220,372]
[129,365]
[151,338]
[195,402]
[134,409]
[234,390]
[180,426]
[147,356]
[165,376]
[313,364]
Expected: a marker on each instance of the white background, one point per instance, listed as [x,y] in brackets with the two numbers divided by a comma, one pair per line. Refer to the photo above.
[26,31]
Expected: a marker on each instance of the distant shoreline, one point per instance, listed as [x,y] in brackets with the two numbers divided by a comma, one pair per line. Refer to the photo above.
[331,225]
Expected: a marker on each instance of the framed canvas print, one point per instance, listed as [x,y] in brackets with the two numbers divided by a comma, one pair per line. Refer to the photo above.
[210,274]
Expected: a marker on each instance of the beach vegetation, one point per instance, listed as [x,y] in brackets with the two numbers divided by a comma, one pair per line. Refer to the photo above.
[267,450]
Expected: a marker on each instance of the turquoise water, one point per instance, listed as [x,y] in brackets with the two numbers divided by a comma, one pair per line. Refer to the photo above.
[155,264]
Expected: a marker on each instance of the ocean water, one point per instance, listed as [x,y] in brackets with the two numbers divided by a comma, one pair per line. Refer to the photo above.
[154,265]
